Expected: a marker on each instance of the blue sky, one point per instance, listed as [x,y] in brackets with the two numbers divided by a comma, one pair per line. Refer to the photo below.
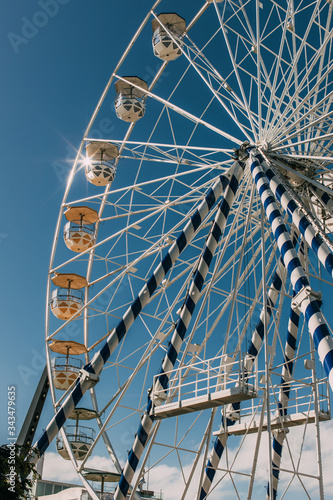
[49,87]
[56,58]
[52,77]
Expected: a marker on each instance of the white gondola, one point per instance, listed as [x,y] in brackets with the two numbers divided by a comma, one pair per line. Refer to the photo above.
[99,165]
[130,101]
[67,299]
[65,368]
[79,437]
[260,75]
[167,39]
[79,232]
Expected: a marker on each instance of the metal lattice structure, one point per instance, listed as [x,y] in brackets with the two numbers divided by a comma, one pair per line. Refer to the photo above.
[208,262]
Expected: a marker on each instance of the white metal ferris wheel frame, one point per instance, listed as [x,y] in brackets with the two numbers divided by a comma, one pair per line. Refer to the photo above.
[158,146]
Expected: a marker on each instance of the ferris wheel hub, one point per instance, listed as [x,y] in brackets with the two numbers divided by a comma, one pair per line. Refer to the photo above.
[263,145]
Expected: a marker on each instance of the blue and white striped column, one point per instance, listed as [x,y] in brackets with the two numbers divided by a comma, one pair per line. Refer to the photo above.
[234,408]
[325,199]
[287,370]
[306,301]
[289,355]
[278,438]
[213,463]
[179,334]
[308,304]
[309,232]
[272,296]
[92,370]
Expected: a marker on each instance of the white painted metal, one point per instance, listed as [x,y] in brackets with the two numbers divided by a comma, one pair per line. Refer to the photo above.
[272,87]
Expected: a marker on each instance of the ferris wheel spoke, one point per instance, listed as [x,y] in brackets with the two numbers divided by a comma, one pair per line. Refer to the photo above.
[277,63]
[184,113]
[202,61]
[180,331]
[295,60]
[305,141]
[312,64]
[221,439]
[211,72]
[135,224]
[320,73]
[311,113]
[250,75]
[306,128]
[240,84]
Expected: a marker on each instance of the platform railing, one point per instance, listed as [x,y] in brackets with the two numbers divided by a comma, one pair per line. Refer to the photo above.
[301,401]
[301,398]
[204,378]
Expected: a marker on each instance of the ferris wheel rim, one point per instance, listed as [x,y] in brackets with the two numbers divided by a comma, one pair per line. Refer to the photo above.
[123,145]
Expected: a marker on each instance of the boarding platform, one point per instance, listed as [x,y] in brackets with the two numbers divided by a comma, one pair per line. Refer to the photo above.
[204,384]
[300,409]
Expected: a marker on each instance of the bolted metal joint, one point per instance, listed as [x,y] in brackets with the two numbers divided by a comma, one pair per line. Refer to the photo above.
[242,153]
[86,376]
[303,294]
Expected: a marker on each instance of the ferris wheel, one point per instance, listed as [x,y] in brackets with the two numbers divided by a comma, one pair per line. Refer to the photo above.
[186,301]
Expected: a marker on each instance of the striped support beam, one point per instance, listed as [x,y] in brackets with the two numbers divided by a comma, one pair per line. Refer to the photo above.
[309,232]
[308,304]
[90,373]
[289,352]
[134,455]
[234,408]
[198,280]
[325,199]
[179,334]
[278,438]
[287,370]
[272,296]
[213,463]
[289,355]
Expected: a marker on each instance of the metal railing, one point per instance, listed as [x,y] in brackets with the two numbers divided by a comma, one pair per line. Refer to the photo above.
[206,377]
[60,294]
[109,495]
[132,94]
[300,401]
[78,226]
[160,34]
[77,434]
[62,363]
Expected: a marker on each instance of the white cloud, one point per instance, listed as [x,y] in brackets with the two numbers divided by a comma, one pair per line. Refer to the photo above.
[58,469]
[169,479]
